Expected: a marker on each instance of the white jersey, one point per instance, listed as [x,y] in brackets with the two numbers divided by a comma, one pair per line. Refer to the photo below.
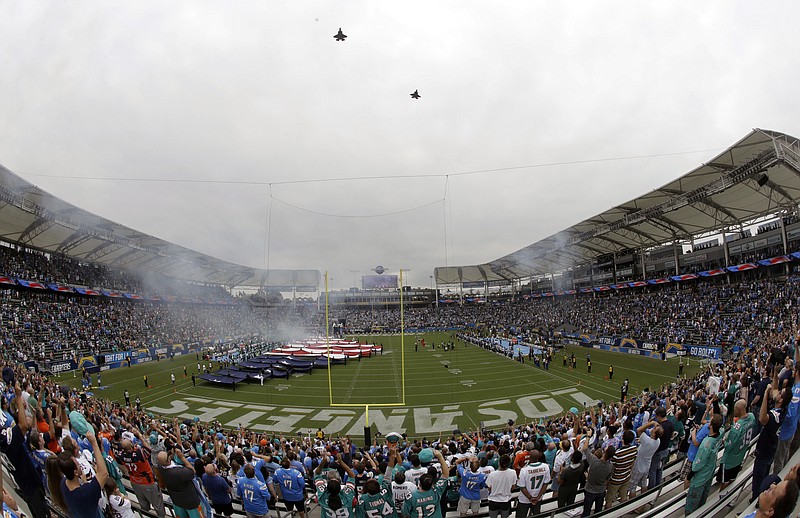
[485,470]
[534,477]
[414,474]
[401,493]
[120,507]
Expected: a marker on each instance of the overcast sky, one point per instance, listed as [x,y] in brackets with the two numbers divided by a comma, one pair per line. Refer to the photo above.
[237,92]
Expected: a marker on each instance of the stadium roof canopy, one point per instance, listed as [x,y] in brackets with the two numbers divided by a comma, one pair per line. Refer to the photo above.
[36,219]
[756,177]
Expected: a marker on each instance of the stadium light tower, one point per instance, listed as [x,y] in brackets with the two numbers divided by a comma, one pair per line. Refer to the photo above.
[354,272]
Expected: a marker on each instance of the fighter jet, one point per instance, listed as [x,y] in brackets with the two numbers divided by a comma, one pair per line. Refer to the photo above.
[339,36]
[415,95]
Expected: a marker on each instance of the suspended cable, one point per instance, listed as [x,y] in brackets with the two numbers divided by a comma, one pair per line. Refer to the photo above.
[371,177]
[356,216]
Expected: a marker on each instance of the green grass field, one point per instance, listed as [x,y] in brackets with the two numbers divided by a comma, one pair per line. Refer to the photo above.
[459,388]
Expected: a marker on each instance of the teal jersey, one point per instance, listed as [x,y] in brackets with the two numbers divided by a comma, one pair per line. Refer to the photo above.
[705,464]
[380,505]
[426,504]
[737,440]
[347,495]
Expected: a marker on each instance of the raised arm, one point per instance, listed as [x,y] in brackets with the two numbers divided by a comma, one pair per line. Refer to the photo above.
[763,416]
[100,464]
[347,469]
[443,462]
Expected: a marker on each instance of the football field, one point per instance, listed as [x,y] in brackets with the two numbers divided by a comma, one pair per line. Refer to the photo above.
[464,388]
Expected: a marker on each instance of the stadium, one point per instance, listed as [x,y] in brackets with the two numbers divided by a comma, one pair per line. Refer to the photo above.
[75,314]
[642,361]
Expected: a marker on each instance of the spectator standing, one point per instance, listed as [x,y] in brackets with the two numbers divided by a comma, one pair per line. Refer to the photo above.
[82,496]
[133,460]
[334,497]
[789,422]
[472,481]
[119,505]
[179,481]
[768,438]
[569,478]
[736,443]
[500,483]
[532,483]
[662,453]
[649,441]
[254,493]
[12,443]
[562,459]
[293,487]
[623,461]
[704,466]
[218,491]
[426,501]
[600,469]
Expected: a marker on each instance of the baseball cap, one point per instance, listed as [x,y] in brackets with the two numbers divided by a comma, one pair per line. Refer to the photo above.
[426,456]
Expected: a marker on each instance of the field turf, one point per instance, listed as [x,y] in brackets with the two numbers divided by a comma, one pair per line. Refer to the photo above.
[460,388]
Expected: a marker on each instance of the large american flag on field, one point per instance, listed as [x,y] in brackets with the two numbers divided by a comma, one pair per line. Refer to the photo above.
[7,280]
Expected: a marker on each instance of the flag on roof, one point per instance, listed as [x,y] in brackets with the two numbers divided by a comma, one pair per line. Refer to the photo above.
[60,288]
[684,277]
[586,290]
[662,280]
[637,284]
[742,267]
[713,273]
[570,292]
[620,286]
[114,294]
[133,296]
[32,284]
[602,288]
[775,260]
[84,291]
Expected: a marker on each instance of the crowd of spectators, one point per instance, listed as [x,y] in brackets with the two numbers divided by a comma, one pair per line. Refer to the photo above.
[36,266]
[74,450]
[53,327]
[703,313]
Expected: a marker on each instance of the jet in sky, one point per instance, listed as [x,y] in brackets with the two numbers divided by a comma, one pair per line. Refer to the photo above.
[416,95]
[340,36]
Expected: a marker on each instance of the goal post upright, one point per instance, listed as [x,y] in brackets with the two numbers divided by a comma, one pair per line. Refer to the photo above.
[366,406]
